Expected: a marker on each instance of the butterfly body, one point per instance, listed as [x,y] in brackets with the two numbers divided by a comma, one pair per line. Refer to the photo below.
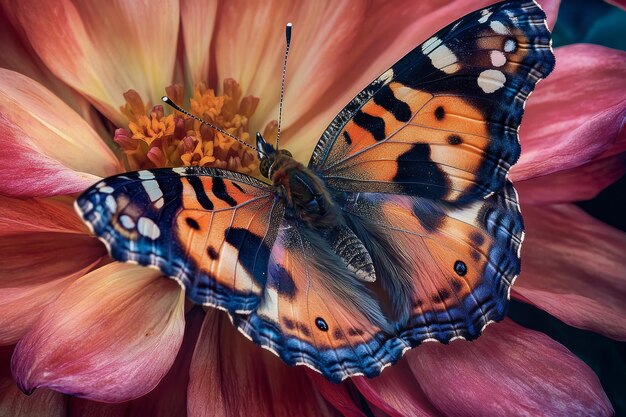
[306,199]
[302,191]
[403,227]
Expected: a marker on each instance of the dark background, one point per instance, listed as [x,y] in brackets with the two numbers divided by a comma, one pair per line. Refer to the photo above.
[590,21]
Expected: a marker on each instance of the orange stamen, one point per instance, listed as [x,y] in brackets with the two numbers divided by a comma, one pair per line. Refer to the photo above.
[154,140]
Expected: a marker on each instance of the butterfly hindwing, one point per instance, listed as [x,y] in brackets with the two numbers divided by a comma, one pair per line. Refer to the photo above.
[314,310]
[460,260]
[211,230]
[442,122]
[459,275]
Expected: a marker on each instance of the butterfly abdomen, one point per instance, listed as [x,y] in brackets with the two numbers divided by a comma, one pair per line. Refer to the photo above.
[303,192]
[352,251]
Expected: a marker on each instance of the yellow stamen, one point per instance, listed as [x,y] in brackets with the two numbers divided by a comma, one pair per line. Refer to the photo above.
[154,140]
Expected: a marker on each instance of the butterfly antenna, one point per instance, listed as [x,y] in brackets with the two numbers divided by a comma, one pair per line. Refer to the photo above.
[170,103]
[282,84]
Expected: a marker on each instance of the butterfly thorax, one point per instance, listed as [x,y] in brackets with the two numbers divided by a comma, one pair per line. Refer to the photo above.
[302,191]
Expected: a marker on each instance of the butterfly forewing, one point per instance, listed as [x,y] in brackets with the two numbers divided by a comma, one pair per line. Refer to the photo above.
[442,122]
[211,230]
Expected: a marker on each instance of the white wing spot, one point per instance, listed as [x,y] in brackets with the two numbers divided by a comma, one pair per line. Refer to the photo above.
[386,76]
[127,221]
[146,175]
[509,45]
[153,190]
[491,80]
[486,14]
[148,228]
[106,189]
[497,58]
[430,44]
[110,203]
[440,56]
[87,207]
[498,27]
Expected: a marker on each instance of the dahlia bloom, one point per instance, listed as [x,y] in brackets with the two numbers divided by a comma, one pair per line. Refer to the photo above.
[89,336]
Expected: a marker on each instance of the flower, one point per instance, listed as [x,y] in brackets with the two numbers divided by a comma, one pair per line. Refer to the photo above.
[73,108]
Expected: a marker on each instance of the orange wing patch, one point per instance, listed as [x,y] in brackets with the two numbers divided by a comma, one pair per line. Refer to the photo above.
[456,257]
[451,255]
[213,210]
[297,301]
[444,135]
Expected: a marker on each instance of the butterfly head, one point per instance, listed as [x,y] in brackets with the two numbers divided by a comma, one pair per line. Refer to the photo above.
[267,155]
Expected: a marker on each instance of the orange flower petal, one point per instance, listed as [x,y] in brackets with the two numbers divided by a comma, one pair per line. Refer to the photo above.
[16,216]
[40,134]
[35,269]
[198,17]
[230,376]
[103,50]
[110,336]
[250,50]
[573,267]
[18,56]
[39,259]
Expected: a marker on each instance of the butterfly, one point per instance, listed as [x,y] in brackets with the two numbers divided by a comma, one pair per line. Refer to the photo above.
[403,227]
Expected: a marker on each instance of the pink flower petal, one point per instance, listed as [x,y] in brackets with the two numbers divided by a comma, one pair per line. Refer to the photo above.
[230,376]
[573,268]
[14,403]
[337,394]
[198,17]
[396,392]
[104,50]
[509,370]
[24,172]
[618,3]
[570,119]
[110,336]
[168,399]
[52,128]
[45,147]
[575,184]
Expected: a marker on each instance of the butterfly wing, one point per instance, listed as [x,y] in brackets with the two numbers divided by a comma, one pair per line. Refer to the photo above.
[304,320]
[442,122]
[418,162]
[314,311]
[211,230]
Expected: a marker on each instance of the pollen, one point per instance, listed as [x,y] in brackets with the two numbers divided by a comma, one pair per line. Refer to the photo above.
[153,139]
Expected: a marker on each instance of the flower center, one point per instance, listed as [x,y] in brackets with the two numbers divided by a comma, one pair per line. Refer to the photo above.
[154,140]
